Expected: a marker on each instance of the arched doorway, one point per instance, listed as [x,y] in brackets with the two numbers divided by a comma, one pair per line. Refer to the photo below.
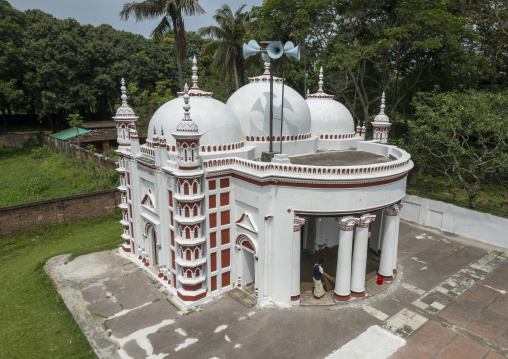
[246,264]
[153,244]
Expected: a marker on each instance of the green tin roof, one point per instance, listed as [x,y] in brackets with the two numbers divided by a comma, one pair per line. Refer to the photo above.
[70,132]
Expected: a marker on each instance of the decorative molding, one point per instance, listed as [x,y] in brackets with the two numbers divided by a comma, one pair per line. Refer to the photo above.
[366,220]
[246,222]
[298,223]
[393,210]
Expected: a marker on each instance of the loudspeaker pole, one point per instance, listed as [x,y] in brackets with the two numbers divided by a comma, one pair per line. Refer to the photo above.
[271,105]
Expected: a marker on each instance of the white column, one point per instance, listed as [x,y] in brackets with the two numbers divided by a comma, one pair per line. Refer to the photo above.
[390,241]
[239,263]
[343,275]
[295,274]
[360,256]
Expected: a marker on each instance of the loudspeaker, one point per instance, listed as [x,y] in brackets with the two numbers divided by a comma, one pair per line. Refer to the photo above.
[291,51]
[252,48]
[275,50]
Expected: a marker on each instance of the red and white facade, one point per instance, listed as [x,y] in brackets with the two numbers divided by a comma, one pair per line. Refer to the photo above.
[206,215]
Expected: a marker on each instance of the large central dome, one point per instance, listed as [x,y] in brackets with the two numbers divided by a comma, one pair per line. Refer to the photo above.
[218,124]
[251,105]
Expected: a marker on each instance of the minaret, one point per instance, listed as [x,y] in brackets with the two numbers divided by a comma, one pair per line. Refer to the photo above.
[125,121]
[381,124]
[126,127]
[189,215]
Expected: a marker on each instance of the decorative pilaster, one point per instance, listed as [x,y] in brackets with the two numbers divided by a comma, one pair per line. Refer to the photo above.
[295,275]
[390,241]
[343,275]
[189,239]
[360,255]
[125,120]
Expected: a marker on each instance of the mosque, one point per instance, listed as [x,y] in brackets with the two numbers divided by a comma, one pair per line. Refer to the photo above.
[206,215]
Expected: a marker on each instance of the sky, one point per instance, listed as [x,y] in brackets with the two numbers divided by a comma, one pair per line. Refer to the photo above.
[97,12]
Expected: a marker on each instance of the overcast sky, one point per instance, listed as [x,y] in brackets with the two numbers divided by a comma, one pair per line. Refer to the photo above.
[98,12]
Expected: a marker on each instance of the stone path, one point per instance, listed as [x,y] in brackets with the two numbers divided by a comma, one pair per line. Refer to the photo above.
[448,301]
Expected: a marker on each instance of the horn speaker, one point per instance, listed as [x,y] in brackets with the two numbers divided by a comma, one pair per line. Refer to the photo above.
[275,50]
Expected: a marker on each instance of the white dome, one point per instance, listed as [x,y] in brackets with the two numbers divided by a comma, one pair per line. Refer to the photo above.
[215,121]
[251,106]
[330,117]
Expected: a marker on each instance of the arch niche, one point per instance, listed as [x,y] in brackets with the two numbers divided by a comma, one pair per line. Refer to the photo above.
[153,243]
[247,263]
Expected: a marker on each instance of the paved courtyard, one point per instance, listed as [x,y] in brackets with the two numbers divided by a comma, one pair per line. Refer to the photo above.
[448,301]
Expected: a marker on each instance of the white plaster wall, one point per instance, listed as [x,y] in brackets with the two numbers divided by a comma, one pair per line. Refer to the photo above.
[465,222]
[339,144]
[328,232]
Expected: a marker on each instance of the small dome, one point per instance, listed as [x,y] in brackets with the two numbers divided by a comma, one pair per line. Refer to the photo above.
[217,123]
[329,117]
[251,105]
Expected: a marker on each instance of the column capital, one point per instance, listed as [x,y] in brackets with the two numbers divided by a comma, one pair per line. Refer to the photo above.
[298,223]
[347,223]
[366,220]
[393,210]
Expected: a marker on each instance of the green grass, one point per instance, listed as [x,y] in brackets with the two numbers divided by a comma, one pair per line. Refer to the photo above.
[489,200]
[32,174]
[35,323]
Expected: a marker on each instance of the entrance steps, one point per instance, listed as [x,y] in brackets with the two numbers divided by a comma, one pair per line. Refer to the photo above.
[242,297]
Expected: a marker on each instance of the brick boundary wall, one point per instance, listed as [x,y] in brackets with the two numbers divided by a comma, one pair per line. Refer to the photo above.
[59,210]
[65,147]
[18,140]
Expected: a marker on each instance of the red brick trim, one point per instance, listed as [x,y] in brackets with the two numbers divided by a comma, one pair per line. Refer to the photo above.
[295,298]
[358,294]
[341,298]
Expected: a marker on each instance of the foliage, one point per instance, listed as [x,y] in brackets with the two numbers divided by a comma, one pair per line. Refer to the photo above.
[41,152]
[38,173]
[35,321]
[12,23]
[110,153]
[227,41]
[171,12]
[463,136]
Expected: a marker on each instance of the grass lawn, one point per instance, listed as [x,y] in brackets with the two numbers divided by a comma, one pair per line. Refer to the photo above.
[36,173]
[35,323]
[490,197]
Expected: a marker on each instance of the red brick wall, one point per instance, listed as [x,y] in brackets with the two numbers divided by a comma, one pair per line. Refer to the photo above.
[59,210]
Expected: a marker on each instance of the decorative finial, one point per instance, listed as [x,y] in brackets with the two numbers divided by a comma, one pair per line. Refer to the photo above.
[320,83]
[308,93]
[382,112]
[186,106]
[154,131]
[194,74]
[186,125]
[124,110]
[162,131]
[124,93]
[267,68]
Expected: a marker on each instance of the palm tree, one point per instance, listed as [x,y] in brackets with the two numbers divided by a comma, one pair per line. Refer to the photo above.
[227,40]
[172,18]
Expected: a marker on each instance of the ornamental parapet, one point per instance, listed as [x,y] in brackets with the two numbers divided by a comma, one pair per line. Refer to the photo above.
[190,264]
[190,242]
[401,164]
[189,220]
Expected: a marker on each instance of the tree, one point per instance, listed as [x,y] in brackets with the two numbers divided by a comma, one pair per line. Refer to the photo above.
[172,18]
[227,40]
[463,136]
[12,26]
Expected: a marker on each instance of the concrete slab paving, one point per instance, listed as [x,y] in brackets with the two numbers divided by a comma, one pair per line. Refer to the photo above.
[125,314]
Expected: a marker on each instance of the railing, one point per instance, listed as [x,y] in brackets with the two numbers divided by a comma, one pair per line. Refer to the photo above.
[302,170]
